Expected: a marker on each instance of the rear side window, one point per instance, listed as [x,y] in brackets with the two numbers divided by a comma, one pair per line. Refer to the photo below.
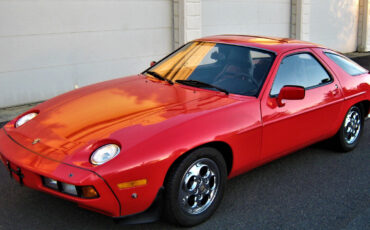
[300,70]
[346,64]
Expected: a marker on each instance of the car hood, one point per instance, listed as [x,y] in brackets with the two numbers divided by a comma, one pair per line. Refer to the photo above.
[97,112]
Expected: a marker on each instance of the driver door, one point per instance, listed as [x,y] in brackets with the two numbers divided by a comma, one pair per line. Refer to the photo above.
[299,123]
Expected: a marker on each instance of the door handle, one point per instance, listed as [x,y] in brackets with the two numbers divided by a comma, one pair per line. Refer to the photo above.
[335,90]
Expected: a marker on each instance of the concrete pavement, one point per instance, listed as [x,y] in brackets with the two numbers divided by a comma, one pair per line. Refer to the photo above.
[314,188]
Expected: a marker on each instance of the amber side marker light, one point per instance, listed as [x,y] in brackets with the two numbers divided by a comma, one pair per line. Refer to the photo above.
[89,192]
[132,184]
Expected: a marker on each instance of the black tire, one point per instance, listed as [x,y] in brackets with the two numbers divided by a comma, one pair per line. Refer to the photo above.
[350,132]
[183,180]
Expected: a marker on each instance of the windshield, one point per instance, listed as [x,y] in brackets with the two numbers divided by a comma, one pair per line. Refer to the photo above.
[237,69]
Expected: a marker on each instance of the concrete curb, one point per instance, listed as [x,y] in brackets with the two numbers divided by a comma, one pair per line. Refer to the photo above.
[9,113]
[357,54]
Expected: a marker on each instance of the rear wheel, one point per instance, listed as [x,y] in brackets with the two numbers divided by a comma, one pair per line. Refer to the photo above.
[195,187]
[351,130]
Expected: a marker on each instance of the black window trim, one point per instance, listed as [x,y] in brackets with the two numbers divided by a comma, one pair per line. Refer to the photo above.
[308,88]
[346,58]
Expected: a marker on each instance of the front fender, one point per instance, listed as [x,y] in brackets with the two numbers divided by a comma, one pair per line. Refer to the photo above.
[237,125]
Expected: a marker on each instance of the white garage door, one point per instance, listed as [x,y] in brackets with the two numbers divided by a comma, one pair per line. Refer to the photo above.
[49,47]
[262,17]
[334,24]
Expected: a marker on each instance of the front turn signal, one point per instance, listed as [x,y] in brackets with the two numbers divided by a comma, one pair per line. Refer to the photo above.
[89,192]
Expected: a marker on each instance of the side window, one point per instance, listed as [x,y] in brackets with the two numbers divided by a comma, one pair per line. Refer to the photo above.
[300,70]
[347,65]
[261,63]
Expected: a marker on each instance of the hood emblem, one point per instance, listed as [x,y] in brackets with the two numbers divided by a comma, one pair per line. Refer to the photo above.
[37,140]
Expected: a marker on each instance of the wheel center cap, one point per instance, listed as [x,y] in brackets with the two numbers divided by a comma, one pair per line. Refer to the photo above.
[202,188]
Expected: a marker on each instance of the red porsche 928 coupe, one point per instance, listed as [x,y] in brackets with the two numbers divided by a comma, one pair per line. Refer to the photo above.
[165,141]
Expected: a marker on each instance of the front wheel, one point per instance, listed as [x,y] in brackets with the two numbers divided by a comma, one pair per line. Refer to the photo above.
[350,132]
[195,187]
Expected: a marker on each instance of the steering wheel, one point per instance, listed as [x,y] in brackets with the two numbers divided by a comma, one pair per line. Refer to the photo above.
[251,86]
[249,78]
[233,75]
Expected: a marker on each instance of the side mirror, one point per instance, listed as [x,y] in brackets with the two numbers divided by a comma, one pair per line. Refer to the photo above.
[152,63]
[214,55]
[290,93]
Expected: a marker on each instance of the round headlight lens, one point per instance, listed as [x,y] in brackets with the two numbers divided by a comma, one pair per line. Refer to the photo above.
[104,154]
[26,118]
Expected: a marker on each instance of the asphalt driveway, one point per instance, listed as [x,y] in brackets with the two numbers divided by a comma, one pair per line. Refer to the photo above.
[315,188]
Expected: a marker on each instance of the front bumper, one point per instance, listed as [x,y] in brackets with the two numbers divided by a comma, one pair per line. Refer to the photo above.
[28,168]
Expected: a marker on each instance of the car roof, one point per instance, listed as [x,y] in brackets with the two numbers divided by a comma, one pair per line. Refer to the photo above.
[275,44]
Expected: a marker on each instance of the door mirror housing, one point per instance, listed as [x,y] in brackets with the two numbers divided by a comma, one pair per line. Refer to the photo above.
[290,93]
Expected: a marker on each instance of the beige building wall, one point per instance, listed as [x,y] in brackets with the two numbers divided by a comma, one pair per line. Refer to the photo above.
[367,36]
[363,37]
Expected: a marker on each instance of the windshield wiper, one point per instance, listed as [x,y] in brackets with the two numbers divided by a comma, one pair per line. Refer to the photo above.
[158,76]
[201,84]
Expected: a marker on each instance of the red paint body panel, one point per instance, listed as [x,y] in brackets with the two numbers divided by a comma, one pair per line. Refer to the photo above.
[33,166]
[299,122]
[155,123]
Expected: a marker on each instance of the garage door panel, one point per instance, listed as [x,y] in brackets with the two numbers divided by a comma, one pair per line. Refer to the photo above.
[334,24]
[28,52]
[45,17]
[264,17]
[48,47]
